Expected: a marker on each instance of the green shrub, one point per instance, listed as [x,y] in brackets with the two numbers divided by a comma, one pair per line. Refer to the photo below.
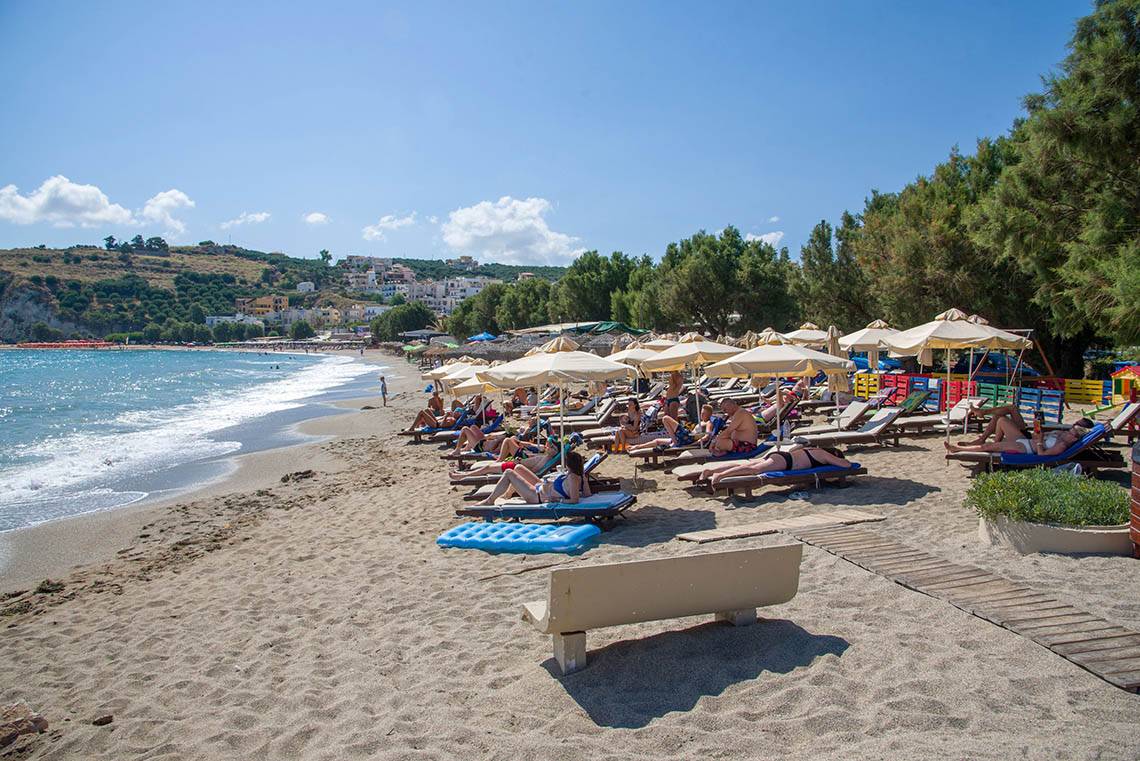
[1043,496]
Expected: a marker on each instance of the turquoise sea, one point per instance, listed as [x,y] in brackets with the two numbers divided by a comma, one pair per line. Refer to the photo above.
[91,430]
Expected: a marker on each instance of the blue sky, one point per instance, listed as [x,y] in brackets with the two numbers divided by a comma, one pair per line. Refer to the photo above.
[518,132]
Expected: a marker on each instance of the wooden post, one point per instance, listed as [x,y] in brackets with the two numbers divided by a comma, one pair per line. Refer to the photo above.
[1135,512]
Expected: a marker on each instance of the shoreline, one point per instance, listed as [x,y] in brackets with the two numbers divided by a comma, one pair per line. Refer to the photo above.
[59,546]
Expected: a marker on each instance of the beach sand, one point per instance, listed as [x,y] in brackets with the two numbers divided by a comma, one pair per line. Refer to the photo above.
[315,618]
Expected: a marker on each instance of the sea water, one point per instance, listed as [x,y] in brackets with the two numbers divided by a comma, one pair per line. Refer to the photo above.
[82,431]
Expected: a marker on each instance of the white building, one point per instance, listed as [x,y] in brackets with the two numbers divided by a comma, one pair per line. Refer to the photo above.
[244,319]
[364,281]
[306,287]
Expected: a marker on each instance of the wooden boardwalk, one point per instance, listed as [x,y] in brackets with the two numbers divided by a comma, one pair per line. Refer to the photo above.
[1102,648]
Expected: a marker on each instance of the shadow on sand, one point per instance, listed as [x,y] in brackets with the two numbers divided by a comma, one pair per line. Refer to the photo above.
[630,683]
[861,490]
[644,525]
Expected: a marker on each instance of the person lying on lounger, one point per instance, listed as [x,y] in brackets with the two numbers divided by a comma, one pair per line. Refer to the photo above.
[677,434]
[796,459]
[435,403]
[427,419]
[1010,439]
[1007,418]
[563,487]
[513,453]
[634,426]
[740,432]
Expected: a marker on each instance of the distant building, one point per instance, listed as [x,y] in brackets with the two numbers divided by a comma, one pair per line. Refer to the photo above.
[399,273]
[262,305]
[466,262]
[306,287]
[364,312]
[362,280]
[526,276]
[244,319]
[360,263]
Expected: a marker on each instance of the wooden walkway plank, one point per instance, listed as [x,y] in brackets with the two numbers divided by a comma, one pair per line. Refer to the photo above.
[1108,651]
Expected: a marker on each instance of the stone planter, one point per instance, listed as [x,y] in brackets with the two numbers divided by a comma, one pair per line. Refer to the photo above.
[1047,537]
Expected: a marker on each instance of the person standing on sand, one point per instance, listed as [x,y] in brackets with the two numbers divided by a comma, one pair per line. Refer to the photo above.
[384,390]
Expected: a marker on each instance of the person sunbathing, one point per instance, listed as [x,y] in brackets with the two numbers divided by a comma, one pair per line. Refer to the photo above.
[796,459]
[739,433]
[565,487]
[435,403]
[635,425]
[1009,440]
[511,456]
[678,434]
[1007,419]
[428,419]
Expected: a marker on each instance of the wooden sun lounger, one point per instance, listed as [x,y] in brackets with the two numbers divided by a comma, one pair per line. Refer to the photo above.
[730,585]
[1118,425]
[875,431]
[815,477]
[850,415]
[956,417]
[597,483]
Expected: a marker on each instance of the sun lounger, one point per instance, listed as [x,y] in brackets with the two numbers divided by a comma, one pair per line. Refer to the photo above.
[875,431]
[594,508]
[1119,424]
[730,585]
[703,456]
[955,417]
[491,478]
[420,433]
[1086,452]
[850,415]
[744,485]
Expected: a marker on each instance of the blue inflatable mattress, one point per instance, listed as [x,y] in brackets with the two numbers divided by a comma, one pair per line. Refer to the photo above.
[518,537]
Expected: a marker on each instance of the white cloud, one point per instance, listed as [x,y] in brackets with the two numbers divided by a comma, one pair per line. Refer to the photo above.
[316,218]
[387,223]
[63,203]
[433,219]
[161,207]
[247,218]
[509,230]
[773,220]
[772,239]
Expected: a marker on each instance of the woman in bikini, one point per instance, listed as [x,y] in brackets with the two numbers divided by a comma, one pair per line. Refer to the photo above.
[796,459]
[566,487]
[673,394]
[1010,438]
[512,454]
[678,434]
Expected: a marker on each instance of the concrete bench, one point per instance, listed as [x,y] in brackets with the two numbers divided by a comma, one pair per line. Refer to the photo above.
[730,585]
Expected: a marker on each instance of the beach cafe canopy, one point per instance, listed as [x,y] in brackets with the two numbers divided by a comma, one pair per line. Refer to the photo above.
[484,336]
[781,361]
[952,330]
[807,334]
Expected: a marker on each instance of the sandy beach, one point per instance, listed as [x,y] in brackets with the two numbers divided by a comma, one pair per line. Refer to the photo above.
[301,609]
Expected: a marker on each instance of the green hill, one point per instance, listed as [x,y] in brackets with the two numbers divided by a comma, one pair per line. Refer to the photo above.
[90,291]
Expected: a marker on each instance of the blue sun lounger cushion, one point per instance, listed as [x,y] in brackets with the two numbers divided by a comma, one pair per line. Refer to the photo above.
[1095,433]
[519,537]
[594,507]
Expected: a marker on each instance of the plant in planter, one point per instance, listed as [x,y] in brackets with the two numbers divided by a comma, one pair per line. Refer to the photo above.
[1038,510]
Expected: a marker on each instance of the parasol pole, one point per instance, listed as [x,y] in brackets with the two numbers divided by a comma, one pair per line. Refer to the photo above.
[562,414]
[947,395]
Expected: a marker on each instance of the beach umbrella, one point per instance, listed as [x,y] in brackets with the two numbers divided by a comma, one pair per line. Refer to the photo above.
[558,367]
[692,351]
[484,336]
[779,360]
[657,344]
[746,341]
[807,334]
[769,337]
[836,382]
[952,330]
[868,340]
[634,355]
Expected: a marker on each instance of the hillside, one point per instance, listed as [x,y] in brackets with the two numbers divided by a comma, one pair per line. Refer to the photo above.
[92,291]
